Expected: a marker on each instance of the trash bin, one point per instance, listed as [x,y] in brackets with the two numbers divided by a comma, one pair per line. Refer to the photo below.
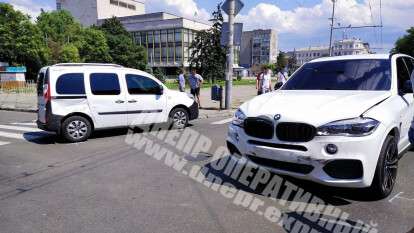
[215,93]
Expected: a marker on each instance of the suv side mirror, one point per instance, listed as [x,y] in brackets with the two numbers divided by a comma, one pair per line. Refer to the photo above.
[160,90]
[407,87]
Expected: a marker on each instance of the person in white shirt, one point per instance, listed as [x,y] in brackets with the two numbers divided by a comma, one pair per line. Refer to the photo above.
[181,81]
[266,81]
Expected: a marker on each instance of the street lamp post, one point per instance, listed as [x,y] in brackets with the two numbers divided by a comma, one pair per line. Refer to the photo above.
[230,55]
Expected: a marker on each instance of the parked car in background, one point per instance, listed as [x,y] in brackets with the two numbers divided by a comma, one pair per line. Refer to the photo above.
[340,121]
[76,99]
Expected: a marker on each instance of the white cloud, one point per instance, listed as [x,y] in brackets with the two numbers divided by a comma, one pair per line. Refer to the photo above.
[30,7]
[185,8]
[306,20]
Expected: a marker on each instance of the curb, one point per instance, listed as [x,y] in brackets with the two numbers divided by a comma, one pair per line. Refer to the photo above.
[18,109]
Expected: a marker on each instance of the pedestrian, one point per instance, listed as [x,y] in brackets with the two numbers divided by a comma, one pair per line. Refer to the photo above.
[181,81]
[266,81]
[281,79]
[195,82]
[259,82]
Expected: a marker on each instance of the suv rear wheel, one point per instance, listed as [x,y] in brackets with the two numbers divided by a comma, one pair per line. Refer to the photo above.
[76,129]
[386,171]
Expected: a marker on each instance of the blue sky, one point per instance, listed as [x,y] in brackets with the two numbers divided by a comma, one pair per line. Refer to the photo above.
[300,23]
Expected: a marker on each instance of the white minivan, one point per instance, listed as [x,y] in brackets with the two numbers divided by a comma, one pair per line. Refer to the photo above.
[76,99]
[340,121]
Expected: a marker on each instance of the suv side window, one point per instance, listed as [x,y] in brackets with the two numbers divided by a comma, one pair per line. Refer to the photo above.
[410,65]
[72,84]
[105,84]
[141,85]
[402,73]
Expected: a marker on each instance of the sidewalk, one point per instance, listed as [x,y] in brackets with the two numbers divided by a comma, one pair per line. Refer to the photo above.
[28,102]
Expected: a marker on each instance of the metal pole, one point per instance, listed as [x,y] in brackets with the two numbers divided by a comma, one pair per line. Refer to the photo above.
[230,55]
[332,25]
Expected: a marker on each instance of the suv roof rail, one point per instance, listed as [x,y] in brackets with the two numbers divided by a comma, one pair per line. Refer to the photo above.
[88,64]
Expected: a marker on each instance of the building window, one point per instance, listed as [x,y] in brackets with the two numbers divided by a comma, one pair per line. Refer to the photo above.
[58,6]
[132,7]
[178,35]
[122,4]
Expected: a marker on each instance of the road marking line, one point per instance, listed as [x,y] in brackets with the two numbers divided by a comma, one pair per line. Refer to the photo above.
[19,128]
[225,121]
[25,123]
[4,143]
[24,136]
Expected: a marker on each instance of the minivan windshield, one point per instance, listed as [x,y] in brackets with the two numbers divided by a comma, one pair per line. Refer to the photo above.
[365,74]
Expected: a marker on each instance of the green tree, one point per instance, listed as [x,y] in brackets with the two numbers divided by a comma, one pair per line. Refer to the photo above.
[69,53]
[292,64]
[405,44]
[94,47]
[21,41]
[208,56]
[122,48]
[281,62]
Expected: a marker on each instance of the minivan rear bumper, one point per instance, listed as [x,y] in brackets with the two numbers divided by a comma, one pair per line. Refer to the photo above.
[53,123]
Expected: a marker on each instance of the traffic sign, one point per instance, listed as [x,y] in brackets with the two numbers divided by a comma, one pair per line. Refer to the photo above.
[238,6]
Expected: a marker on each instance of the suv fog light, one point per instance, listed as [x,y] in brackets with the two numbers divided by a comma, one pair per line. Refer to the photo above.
[331,149]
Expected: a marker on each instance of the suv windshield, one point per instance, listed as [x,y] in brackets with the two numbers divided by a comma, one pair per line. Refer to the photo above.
[369,75]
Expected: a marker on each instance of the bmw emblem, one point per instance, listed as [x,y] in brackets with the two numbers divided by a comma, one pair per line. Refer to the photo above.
[277,117]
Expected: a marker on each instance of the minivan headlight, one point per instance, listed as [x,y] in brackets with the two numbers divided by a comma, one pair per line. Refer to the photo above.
[239,118]
[355,127]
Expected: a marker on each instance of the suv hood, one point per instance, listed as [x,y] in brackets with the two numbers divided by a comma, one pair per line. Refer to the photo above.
[313,107]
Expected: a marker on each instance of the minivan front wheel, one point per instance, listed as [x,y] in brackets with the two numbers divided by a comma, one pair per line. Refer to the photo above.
[179,118]
[387,167]
[76,129]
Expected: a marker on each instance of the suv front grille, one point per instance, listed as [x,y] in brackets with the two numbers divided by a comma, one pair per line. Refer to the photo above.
[259,128]
[295,132]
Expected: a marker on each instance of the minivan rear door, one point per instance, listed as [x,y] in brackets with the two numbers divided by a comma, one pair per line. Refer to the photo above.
[42,79]
[106,99]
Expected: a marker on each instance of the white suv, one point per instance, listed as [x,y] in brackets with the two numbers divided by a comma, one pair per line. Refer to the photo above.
[75,99]
[339,121]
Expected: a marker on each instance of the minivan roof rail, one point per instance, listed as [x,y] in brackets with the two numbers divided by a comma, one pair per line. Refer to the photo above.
[88,64]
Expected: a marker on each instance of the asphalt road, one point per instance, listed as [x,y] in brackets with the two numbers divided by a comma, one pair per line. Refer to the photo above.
[108,185]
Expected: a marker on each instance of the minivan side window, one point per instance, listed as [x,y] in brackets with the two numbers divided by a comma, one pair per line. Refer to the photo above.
[141,85]
[70,84]
[402,72]
[105,84]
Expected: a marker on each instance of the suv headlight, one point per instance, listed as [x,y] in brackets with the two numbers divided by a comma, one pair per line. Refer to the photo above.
[239,118]
[355,127]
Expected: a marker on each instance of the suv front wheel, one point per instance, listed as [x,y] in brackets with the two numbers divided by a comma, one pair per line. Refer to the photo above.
[386,171]
[76,129]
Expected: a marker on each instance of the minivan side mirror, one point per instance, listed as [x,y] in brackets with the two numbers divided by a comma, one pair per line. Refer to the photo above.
[406,88]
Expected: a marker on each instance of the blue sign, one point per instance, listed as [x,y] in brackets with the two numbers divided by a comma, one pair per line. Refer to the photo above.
[238,32]
[238,6]
[16,69]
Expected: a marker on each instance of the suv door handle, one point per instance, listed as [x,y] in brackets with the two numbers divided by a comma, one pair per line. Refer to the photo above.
[119,101]
[132,101]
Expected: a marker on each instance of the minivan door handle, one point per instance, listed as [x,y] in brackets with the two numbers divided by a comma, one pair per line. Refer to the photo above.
[119,101]
[132,101]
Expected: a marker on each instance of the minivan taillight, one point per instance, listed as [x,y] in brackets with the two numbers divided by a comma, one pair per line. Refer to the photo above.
[46,93]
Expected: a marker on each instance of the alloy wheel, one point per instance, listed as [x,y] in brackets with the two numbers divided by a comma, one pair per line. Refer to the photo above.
[180,119]
[77,129]
[390,166]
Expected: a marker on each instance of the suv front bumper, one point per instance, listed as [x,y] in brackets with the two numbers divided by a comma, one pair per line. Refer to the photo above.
[353,165]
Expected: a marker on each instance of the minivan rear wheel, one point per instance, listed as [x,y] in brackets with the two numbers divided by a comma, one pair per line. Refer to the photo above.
[76,129]
[386,171]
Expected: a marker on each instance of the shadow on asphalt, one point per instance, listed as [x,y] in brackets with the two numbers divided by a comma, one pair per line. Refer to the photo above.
[331,195]
[42,139]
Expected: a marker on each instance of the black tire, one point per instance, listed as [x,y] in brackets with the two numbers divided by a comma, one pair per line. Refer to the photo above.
[76,129]
[386,171]
[178,118]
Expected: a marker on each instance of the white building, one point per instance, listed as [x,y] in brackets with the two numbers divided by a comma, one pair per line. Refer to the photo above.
[341,47]
[166,37]
[88,12]
[259,47]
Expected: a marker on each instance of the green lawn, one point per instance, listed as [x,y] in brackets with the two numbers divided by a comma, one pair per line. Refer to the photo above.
[174,85]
